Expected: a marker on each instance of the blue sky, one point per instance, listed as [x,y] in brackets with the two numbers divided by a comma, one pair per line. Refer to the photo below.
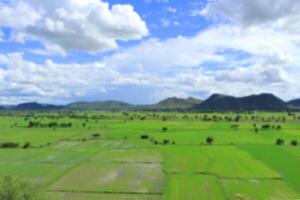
[142,51]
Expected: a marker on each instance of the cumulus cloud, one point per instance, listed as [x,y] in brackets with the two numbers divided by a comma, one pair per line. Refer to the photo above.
[23,79]
[153,67]
[253,12]
[89,25]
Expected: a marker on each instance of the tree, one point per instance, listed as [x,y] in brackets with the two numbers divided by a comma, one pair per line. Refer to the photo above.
[209,140]
[144,137]
[26,145]
[9,145]
[279,141]
[165,142]
[294,142]
[266,126]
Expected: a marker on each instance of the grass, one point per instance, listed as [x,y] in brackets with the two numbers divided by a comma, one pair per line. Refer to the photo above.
[193,187]
[97,196]
[129,156]
[258,189]
[282,159]
[221,161]
[112,177]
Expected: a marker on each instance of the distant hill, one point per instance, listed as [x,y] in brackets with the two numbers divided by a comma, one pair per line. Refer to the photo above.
[294,103]
[99,105]
[261,102]
[36,106]
[215,103]
[174,103]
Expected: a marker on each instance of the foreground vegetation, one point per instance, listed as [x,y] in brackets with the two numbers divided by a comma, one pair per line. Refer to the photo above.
[152,156]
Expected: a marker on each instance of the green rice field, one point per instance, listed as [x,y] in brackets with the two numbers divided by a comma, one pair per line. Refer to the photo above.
[154,156]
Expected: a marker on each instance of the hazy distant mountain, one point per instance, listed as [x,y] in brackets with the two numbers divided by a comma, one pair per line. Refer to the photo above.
[36,106]
[99,105]
[174,103]
[294,103]
[262,102]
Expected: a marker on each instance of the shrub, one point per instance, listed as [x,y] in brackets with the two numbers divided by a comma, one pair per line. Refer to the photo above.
[209,140]
[26,145]
[9,145]
[294,142]
[96,135]
[266,126]
[165,142]
[279,141]
[164,119]
[143,118]
[144,137]
[52,124]
[17,189]
[164,129]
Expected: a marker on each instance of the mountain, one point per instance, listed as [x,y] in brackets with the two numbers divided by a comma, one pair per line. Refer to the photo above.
[32,106]
[215,103]
[294,103]
[174,103]
[99,105]
[261,102]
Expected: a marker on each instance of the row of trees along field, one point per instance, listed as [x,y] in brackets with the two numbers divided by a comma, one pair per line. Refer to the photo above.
[230,117]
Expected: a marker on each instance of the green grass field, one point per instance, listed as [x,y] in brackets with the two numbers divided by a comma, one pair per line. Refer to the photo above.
[175,163]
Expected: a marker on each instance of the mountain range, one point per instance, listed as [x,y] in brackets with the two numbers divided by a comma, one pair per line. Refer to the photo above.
[99,105]
[215,103]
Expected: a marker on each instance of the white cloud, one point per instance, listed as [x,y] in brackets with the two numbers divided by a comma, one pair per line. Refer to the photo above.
[265,64]
[50,81]
[49,50]
[18,15]
[165,22]
[254,12]
[89,25]
[1,35]
[157,66]
[171,9]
